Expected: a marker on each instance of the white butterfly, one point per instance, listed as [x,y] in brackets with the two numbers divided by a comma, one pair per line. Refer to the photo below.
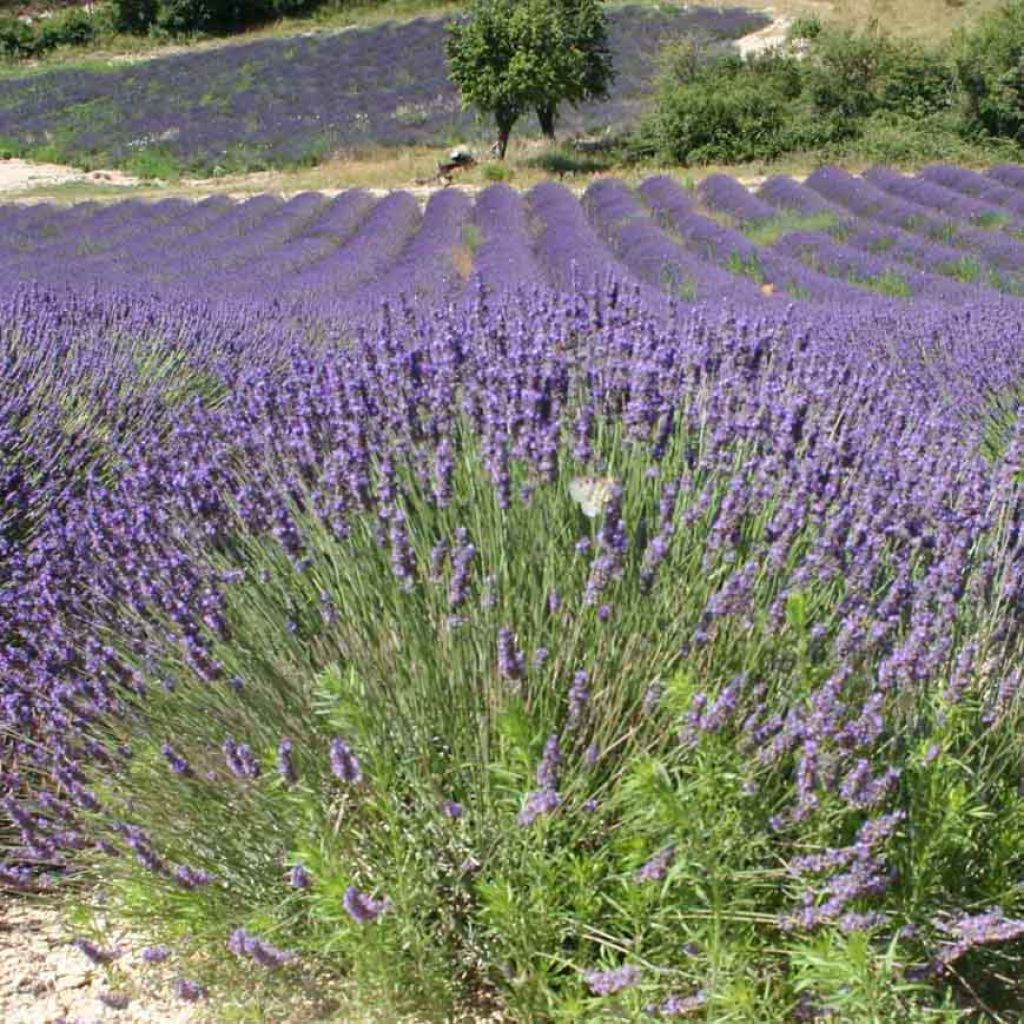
[592,493]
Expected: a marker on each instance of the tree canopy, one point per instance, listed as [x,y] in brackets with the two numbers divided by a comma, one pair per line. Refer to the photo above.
[509,57]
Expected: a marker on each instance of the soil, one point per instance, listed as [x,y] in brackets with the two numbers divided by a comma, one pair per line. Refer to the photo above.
[45,980]
[20,175]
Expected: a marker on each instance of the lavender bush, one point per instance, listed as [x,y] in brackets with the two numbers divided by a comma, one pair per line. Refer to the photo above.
[546,643]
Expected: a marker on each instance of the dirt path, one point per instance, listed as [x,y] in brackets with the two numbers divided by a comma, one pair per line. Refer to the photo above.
[45,980]
[21,175]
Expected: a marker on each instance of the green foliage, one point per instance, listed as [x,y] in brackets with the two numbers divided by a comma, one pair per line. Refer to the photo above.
[72,27]
[496,172]
[183,17]
[767,232]
[134,15]
[509,57]
[726,117]
[561,162]
[990,68]
[845,94]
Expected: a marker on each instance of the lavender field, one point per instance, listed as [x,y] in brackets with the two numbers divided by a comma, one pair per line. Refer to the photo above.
[563,608]
[945,236]
[293,100]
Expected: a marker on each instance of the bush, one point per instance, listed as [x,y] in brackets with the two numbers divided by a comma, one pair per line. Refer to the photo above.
[74,27]
[134,15]
[705,123]
[990,69]
[17,39]
[727,111]
[849,83]
[181,17]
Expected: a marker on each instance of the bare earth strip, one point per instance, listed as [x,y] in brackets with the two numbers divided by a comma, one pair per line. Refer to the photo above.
[44,979]
[20,175]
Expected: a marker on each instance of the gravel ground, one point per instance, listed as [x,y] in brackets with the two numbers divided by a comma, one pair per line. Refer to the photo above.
[44,979]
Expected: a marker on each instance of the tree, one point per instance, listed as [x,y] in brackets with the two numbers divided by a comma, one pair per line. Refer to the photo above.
[512,56]
[586,60]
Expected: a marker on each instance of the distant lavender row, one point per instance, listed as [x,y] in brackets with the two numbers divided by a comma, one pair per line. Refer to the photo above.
[834,239]
[285,100]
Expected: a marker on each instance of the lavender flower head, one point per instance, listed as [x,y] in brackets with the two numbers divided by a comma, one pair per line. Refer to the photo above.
[608,983]
[300,878]
[551,762]
[156,954]
[95,953]
[657,867]
[190,991]
[286,762]
[362,907]
[678,1006]
[453,809]
[538,804]
[344,763]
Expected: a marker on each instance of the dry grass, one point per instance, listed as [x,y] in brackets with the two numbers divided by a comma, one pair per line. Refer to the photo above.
[927,20]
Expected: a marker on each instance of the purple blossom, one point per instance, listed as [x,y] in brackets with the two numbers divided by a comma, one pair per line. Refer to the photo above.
[538,804]
[678,1006]
[363,908]
[95,953]
[611,982]
[344,763]
[190,991]
[156,954]
[657,867]
[299,877]
[286,762]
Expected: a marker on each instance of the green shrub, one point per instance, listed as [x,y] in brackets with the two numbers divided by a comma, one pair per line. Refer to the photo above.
[990,69]
[853,93]
[182,17]
[17,39]
[134,15]
[73,27]
[725,117]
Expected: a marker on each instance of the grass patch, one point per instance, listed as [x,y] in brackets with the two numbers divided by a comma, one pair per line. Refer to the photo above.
[767,232]
[890,283]
[748,266]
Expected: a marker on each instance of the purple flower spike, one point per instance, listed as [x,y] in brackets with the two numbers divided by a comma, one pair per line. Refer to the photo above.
[344,762]
[538,804]
[156,954]
[190,991]
[678,1006]
[657,867]
[453,809]
[608,983]
[286,762]
[95,953]
[300,878]
[179,764]
[363,908]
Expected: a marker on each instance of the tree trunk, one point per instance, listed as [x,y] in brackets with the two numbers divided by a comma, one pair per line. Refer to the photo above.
[505,122]
[546,114]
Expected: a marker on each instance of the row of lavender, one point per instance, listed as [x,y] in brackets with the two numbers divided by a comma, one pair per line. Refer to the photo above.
[283,100]
[535,644]
[948,235]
